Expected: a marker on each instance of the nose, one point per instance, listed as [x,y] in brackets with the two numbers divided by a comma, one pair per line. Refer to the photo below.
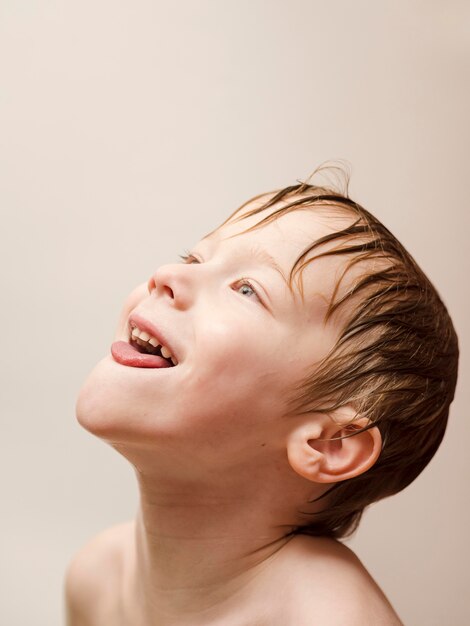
[174,283]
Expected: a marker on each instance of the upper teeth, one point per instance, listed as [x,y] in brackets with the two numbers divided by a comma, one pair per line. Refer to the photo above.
[143,336]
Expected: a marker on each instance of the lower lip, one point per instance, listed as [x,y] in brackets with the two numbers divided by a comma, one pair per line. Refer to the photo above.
[125,354]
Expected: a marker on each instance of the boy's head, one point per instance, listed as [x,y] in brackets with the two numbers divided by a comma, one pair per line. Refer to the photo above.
[394,359]
[300,325]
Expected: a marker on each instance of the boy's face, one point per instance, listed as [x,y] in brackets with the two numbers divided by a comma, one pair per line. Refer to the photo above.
[240,347]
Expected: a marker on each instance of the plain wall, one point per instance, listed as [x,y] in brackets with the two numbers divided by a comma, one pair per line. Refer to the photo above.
[130,129]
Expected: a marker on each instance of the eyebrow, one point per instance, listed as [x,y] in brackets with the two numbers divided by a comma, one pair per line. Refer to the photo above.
[255,251]
[268,259]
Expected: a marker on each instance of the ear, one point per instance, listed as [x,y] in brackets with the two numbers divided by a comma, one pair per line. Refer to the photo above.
[317,451]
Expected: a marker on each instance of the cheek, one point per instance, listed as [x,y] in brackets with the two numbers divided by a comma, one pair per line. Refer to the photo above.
[235,379]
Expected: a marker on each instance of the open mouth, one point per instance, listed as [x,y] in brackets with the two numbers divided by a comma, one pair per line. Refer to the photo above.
[142,350]
[127,353]
[147,344]
[144,347]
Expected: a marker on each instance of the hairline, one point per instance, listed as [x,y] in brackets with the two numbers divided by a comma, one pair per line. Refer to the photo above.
[301,201]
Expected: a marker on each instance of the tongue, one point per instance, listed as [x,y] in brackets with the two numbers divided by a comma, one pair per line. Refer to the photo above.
[125,354]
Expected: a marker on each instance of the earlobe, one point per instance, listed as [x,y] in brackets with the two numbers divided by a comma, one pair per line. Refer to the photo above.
[328,451]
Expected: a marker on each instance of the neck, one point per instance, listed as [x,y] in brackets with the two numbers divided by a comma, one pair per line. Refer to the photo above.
[197,546]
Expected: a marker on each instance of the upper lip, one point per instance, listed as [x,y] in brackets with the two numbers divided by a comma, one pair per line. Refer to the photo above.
[143,324]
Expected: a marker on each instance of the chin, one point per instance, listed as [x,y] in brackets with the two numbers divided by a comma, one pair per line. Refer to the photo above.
[95,407]
[112,405]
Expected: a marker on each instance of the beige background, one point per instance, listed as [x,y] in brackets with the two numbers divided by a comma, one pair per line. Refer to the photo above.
[131,128]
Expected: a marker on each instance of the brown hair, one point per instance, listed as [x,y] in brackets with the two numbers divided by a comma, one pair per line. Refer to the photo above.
[395,359]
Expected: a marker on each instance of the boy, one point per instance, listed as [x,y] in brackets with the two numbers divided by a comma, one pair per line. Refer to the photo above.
[296,367]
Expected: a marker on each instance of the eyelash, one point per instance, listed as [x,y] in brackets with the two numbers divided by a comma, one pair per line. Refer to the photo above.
[187,257]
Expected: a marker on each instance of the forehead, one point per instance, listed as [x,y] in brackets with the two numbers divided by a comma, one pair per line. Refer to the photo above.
[285,238]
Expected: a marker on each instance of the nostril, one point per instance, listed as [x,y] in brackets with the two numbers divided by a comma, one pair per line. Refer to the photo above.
[169,291]
[151,285]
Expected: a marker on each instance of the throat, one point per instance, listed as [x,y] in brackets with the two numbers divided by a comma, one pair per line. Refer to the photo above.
[179,571]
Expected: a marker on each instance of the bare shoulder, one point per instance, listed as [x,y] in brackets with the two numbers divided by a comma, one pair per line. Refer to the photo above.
[331,586]
[93,574]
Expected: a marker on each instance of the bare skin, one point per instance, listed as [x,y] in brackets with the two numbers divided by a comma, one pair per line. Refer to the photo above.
[224,472]
[299,586]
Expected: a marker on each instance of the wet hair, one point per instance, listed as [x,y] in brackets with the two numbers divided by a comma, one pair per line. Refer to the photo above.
[395,359]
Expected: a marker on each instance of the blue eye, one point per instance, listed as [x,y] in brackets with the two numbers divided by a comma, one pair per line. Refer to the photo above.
[189,258]
[243,282]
